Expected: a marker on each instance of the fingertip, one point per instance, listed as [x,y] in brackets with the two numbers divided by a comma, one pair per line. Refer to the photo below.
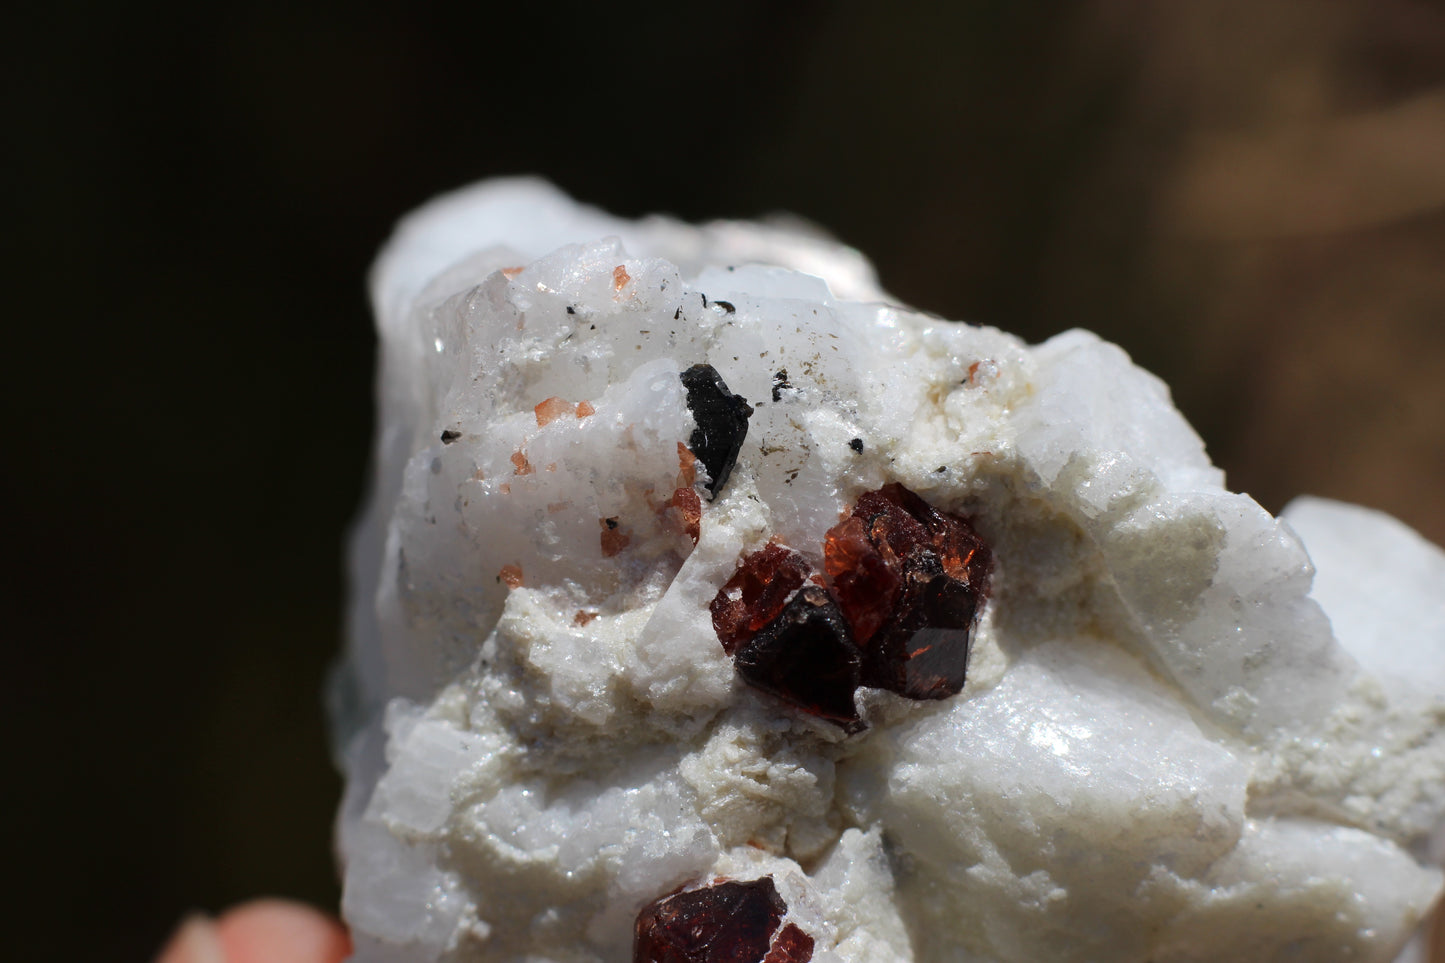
[279,931]
[195,941]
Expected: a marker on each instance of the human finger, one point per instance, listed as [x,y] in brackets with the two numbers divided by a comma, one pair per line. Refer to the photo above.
[261,931]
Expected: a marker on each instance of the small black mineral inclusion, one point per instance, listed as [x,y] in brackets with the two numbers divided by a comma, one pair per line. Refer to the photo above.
[780,382]
[450,436]
[722,423]
[856,444]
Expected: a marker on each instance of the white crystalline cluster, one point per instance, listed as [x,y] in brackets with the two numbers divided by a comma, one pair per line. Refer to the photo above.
[1190,731]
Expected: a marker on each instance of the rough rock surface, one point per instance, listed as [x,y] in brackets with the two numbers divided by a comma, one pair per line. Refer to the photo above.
[1176,742]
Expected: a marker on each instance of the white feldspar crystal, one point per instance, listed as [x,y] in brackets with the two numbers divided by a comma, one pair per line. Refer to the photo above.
[1191,732]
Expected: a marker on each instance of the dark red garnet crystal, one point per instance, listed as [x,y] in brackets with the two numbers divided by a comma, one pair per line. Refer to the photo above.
[806,656]
[904,585]
[727,922]
[909,579]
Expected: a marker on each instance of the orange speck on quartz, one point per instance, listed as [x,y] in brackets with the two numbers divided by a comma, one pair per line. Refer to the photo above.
[613,538]
[620,277]
[686,466]
[584,409]
[512,575]
[682,513]
[511,272]
[583,617]
[522,465]
[550,410]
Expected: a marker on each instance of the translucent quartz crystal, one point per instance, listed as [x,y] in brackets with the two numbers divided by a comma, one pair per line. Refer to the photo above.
[1175,742]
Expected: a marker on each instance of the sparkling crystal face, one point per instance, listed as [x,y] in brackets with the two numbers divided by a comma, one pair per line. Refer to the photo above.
[904,585]
[756,594]
[727,922]
[792,945]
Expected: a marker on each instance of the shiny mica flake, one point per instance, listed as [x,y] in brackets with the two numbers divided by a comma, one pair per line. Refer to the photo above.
[722,423]
[726,922]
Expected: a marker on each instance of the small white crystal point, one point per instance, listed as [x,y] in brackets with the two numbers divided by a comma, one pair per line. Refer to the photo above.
[1190,731]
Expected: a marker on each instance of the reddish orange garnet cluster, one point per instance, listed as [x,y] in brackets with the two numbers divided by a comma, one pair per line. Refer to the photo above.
[904,584]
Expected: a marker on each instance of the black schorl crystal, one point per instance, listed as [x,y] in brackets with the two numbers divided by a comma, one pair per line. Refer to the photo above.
[722,423]
[806,656]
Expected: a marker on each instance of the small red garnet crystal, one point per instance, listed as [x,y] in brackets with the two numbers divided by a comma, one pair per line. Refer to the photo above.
[727,922]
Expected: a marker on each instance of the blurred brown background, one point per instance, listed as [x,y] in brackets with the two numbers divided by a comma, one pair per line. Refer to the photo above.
[1249,197]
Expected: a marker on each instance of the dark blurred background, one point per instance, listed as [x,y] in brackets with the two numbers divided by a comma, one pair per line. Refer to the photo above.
[1250,198]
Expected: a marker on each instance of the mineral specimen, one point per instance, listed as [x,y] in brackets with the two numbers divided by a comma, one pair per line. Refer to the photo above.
[1190,731]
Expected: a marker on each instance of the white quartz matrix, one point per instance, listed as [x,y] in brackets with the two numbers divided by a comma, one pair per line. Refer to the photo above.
[1190,732]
